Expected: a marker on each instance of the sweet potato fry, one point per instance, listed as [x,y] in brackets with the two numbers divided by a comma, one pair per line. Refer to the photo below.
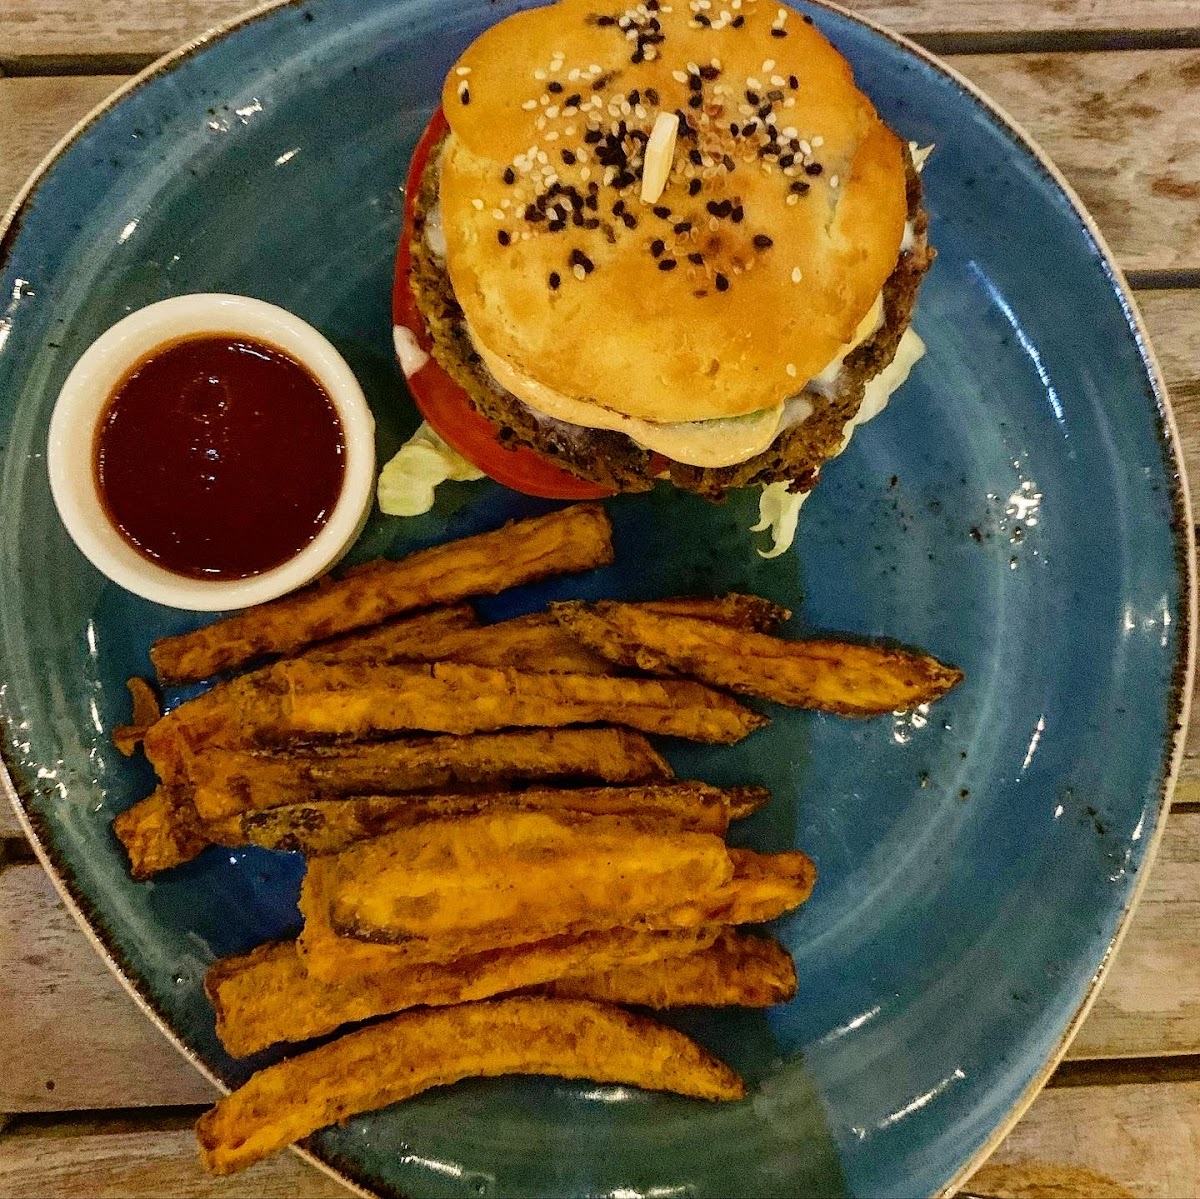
[833,676]
[160,831]
[736,970]
[411,1052]
[231,781]
[267,995]
[403,640]
[509,877]
[146,711]
[572,539]
[296,699]
[739,611]
[329,826]
[763,887]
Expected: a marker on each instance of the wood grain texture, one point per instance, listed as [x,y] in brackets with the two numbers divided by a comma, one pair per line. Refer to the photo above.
[124,1159]
[1096,1142]
[33,29]
[1120,125]
[1103,1142]
[72,1037]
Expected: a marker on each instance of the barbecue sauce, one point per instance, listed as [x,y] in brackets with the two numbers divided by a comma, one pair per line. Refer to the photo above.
[219,457]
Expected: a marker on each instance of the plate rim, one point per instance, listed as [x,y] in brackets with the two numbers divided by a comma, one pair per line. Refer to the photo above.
[1179,688]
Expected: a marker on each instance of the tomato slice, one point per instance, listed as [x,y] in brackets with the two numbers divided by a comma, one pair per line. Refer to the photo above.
[440,399]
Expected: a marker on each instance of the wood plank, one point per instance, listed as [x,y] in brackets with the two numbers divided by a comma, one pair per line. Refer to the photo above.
[72,1024]
[9,827]
[63,29]
[127,1159]
[1102,1142]
[36,113]
[1121,127]
[72,1037]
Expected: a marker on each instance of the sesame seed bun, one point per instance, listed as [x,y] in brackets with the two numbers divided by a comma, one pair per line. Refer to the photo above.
[746,276]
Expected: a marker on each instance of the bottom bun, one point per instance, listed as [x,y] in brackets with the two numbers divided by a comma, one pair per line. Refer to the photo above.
[611,459]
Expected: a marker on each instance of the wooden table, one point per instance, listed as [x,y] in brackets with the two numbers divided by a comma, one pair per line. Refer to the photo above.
[99,1104]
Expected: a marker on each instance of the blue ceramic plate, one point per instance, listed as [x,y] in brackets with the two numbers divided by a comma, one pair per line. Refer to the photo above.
[1019,510]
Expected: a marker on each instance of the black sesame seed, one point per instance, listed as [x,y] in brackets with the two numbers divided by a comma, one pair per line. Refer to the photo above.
[701,19]
[591,223]
[696,259]
[721,282]
[573,100]
[799,186]
[737,22]
[667,264]
[682,226]
[533,213]
[694,187]
[737,214]
[637,56]
[661,211]
[752,97]
[734,129]
[779,33]
[577,219]
[601,81]
[695,100]
[618,208]
[592,136]
[786,160]
[465,95]
[652,5]
[606,20]
[749,127]
[651,95]
[695,84]
[590,202]
[727,162]
[556,226]
[510,176]
[568,156]
[714,208]
[765,111]
[807,20]
[695,157]
[762,241]
[554,280]
[813,168]
[700,294]
[579,258]
[793,82]
[709,72]
[502,236]
[775,94]
[554,86]
[657,246]
[629,220]
[635,97]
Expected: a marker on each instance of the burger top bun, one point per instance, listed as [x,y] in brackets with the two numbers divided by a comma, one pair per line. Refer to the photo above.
[781,217]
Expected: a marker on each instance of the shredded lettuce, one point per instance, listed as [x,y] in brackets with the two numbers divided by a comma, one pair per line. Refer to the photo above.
[408,481]
[919,154]
[778,510]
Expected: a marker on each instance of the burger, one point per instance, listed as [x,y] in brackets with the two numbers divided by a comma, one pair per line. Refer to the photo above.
[669,241]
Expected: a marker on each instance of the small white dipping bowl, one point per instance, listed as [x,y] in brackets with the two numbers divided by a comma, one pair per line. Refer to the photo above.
[94,378]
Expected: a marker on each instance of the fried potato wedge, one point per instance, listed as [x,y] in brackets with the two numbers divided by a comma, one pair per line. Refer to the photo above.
[736,970]
[572,539]
[231,781]
[331,825]
[402,640]
[411,1052]
[509,877]
[298,699]
[739,611]
[159,832]
[764,886]
[146,711]
[832,676]
[267,995]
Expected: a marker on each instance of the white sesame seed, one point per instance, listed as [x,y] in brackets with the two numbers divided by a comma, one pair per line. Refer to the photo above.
[791,369]
[543,157]
[789,131]
[571,110]
[796,275]
[570,131]
[552,112]
[540,123]
[745,110]
[529,105]
[790,102]
[462,87]
[595,69]
[693,69]
[781,17]
[585,174]
[578,271]
[777,81]
[768,65]
[833,181]
[805,148]
[715,62]
[793,198]
[498,213]
[462,71]
[610,173]
[649,54]
[631,35]
[552,178]
[552,136]
[573,75]
[505,204]
[477,204]
[753,84]
[818,142]
[539,75]
[544,100]
[626,108]
[679,76]
[525,235]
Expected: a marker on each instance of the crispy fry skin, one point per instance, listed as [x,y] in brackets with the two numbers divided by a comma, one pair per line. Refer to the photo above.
[509,877]
[329,826]
[360,701]
[764,885]
[387,1062]
[232,781]
[736,970]
[159,831]
[127,737]
[267,996]
[833,676]
[403,640]
[745,801]
[750,612]
[572,539]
